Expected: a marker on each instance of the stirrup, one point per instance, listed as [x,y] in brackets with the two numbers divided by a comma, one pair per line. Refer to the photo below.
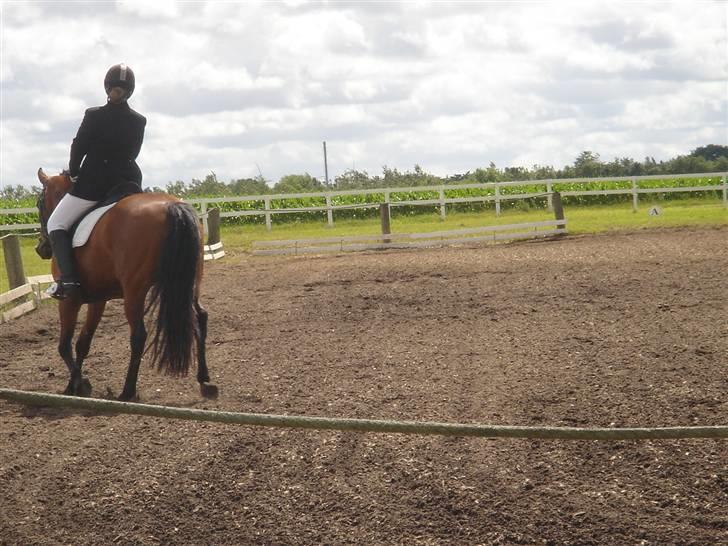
[61,290]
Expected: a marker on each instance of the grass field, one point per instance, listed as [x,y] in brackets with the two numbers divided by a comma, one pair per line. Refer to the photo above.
[581,220]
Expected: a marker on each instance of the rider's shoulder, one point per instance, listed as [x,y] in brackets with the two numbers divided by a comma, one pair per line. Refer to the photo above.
[93,110]
[137,116]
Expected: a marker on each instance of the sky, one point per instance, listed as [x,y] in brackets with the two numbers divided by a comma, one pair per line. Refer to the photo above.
[244,88]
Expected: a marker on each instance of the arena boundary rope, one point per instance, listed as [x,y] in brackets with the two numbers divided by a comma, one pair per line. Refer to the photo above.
[361,425]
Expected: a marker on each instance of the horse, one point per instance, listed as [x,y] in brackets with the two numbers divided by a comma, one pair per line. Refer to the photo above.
[148,244]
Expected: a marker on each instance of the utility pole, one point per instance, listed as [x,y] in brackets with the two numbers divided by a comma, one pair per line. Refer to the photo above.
[326,166]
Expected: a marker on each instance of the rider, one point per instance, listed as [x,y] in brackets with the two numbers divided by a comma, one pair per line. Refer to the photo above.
[110,138]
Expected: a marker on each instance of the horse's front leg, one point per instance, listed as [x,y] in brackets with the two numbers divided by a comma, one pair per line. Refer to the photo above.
[83,343]
[203,375]
[134,309]
[68,312]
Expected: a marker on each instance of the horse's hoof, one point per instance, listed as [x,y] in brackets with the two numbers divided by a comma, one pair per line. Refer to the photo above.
[209,391]
[85,388]
[124,397]
[82,389]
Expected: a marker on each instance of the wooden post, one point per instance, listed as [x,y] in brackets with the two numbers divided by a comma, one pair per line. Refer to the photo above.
[13,261]
[549,197]
[725,190]
[442,204]
[558,209]
[497,200]
[329,212]
[384,215]
[213,226]
[268,225]
[203,213]
[635,196]
[326,166]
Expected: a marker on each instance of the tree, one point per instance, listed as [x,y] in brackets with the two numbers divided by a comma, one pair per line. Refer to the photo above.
[539,172]
[711,152]
[516,173]
[685,164]
[353,180]
[17,193]
[587,165]
[208,187]
[249,186]
[491,174]
[298,183]
[177,188]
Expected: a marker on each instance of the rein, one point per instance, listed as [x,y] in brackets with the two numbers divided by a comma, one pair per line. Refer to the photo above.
[42,213]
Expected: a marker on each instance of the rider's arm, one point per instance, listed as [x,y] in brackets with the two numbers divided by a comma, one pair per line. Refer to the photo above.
[138,139]
[79,147]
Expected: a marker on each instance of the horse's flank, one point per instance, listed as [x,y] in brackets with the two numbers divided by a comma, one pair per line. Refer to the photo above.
[137,221]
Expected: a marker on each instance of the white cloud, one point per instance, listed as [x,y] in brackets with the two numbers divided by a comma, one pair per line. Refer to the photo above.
[233,86]
[146,9]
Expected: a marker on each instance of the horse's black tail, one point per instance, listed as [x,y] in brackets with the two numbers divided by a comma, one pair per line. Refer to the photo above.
[173,292]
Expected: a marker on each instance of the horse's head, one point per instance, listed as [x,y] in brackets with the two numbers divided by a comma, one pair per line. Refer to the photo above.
[54,188]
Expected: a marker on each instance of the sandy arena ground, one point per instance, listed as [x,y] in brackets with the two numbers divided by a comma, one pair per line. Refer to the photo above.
[621,330]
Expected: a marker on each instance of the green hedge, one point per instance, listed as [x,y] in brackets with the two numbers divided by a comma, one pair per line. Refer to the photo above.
[415,194]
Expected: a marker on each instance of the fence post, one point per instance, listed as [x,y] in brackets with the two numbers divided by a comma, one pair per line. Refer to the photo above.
[268,224]
[497,199]
[549,198]
[13,261]
[213,223]
[725,190]
[384,215]
[203,211]
[635,195]
[329,212]
[442,204]
[558,209]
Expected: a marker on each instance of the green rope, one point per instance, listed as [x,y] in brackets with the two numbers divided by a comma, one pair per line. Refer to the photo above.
[362,425]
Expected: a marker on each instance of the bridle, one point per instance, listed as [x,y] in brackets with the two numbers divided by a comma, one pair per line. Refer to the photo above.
[43,248]
[42,214]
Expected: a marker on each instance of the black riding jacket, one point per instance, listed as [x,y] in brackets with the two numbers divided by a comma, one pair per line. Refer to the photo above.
[109,138]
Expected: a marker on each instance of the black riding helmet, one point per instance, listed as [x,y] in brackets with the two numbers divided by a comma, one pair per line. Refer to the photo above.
[122,76]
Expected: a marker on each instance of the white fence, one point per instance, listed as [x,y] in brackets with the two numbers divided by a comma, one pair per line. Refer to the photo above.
[272,204]
[529,230]
[34,286]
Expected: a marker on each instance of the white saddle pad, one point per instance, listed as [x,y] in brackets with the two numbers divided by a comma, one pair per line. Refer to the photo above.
[84,229]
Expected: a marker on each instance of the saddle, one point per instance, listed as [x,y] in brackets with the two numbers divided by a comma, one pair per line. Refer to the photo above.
[81,230]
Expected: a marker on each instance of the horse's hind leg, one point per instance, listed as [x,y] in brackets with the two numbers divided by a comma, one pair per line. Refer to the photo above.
[68,311]
[134,310]
[203,375]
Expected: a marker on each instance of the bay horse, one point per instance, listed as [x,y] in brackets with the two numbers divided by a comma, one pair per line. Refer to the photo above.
[146,244]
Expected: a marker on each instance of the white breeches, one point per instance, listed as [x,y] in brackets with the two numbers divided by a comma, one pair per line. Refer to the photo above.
[67,212]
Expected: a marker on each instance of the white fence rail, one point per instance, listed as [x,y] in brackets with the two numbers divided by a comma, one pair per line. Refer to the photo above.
[272,204]
[32,286]
[529,230]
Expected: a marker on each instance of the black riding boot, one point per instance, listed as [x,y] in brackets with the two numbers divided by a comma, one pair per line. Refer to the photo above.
[68,284]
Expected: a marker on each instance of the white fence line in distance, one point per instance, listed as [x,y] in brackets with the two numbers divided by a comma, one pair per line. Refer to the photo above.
[268,210]
[529,230]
